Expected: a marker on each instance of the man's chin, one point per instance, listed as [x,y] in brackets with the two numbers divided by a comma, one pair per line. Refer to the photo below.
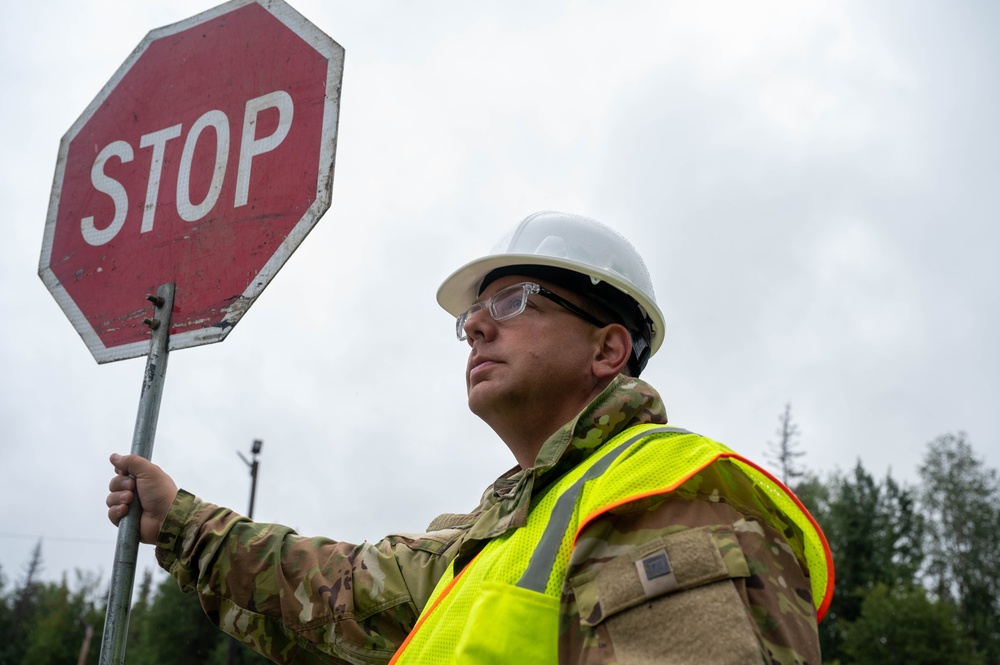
[483,398]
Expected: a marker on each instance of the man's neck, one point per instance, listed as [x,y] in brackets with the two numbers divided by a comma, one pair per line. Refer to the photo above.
[526,433]
[525,445]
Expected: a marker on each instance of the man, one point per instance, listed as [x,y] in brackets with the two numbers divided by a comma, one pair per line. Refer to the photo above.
[616,539]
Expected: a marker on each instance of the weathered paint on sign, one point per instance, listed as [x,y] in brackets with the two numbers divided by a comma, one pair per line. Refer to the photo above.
[204,161]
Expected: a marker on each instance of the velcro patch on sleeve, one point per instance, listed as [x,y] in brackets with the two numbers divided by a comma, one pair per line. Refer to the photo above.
[661,566]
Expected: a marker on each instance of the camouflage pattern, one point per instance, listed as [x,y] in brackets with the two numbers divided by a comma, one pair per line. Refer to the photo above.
[304,600]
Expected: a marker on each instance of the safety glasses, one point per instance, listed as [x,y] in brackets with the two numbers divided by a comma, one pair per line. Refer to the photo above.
[511,301]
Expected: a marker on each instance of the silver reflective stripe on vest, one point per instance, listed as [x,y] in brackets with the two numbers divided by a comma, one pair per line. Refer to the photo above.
[536,576]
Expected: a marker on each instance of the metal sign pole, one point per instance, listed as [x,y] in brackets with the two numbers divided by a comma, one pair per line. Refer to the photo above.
[127,546]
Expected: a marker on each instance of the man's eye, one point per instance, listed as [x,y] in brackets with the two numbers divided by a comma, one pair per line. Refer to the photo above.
[509,305]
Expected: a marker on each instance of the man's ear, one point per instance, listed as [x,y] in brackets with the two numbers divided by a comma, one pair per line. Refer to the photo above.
[614,346]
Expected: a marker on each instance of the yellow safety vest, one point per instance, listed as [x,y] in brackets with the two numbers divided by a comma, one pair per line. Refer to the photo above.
[504,605]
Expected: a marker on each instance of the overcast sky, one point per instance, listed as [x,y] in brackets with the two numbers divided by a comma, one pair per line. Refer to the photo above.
[814,187]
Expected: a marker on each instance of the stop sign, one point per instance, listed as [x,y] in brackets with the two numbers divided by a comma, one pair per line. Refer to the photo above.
[204,161]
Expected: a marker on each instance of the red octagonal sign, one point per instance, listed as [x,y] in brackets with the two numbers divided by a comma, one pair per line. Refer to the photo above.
[204,161]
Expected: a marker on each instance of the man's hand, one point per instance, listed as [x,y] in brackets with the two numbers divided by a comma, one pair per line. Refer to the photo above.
[156,490]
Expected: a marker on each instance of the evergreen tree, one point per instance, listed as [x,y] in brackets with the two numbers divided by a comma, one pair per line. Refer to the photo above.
[784,453]
[875,535]
[24,607]
[63,615]
[137,615]
[173,630]
[962,500]
[903,626]
[6,621]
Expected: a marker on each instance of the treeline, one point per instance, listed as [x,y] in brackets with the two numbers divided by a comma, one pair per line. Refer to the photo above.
[48,623]
[917,568]
[917,577]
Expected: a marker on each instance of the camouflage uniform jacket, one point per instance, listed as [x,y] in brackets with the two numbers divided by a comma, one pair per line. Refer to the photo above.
[744,595]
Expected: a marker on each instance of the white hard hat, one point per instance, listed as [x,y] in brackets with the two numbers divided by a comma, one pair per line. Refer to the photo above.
[579,245]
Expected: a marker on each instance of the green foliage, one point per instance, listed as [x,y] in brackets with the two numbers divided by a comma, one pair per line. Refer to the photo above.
[139,611]
[172,629]
[6,623]
[45,622]
[962,499]
[23,607]
[903,626]
[165,628]
[875,535]
[63,615]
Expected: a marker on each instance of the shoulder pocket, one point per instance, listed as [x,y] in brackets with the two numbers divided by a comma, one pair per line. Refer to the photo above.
[662,566]
[432,542]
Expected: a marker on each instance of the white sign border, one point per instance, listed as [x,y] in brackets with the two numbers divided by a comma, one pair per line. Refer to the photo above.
[322,43]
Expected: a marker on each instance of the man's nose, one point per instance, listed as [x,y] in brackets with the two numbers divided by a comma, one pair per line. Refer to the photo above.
[480,325]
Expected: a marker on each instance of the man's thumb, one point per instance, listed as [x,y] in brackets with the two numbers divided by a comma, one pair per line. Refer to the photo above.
[133,465]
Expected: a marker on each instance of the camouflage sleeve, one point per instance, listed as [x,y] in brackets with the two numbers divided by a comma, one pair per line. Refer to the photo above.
[687,578]
[297,599]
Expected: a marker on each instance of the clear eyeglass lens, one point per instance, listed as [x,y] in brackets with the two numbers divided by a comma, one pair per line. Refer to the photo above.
[460,322]
[505,304]
[509,302]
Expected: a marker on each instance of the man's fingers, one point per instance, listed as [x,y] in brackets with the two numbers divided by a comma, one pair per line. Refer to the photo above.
[119,499]
[121,483]
[118,503]
[117,512]
[137,479]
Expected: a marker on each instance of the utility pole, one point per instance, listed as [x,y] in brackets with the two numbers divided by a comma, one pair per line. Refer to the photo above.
[255,450]
[254,465]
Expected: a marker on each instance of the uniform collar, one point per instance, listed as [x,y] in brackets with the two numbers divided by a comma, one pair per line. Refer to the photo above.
[625,402]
